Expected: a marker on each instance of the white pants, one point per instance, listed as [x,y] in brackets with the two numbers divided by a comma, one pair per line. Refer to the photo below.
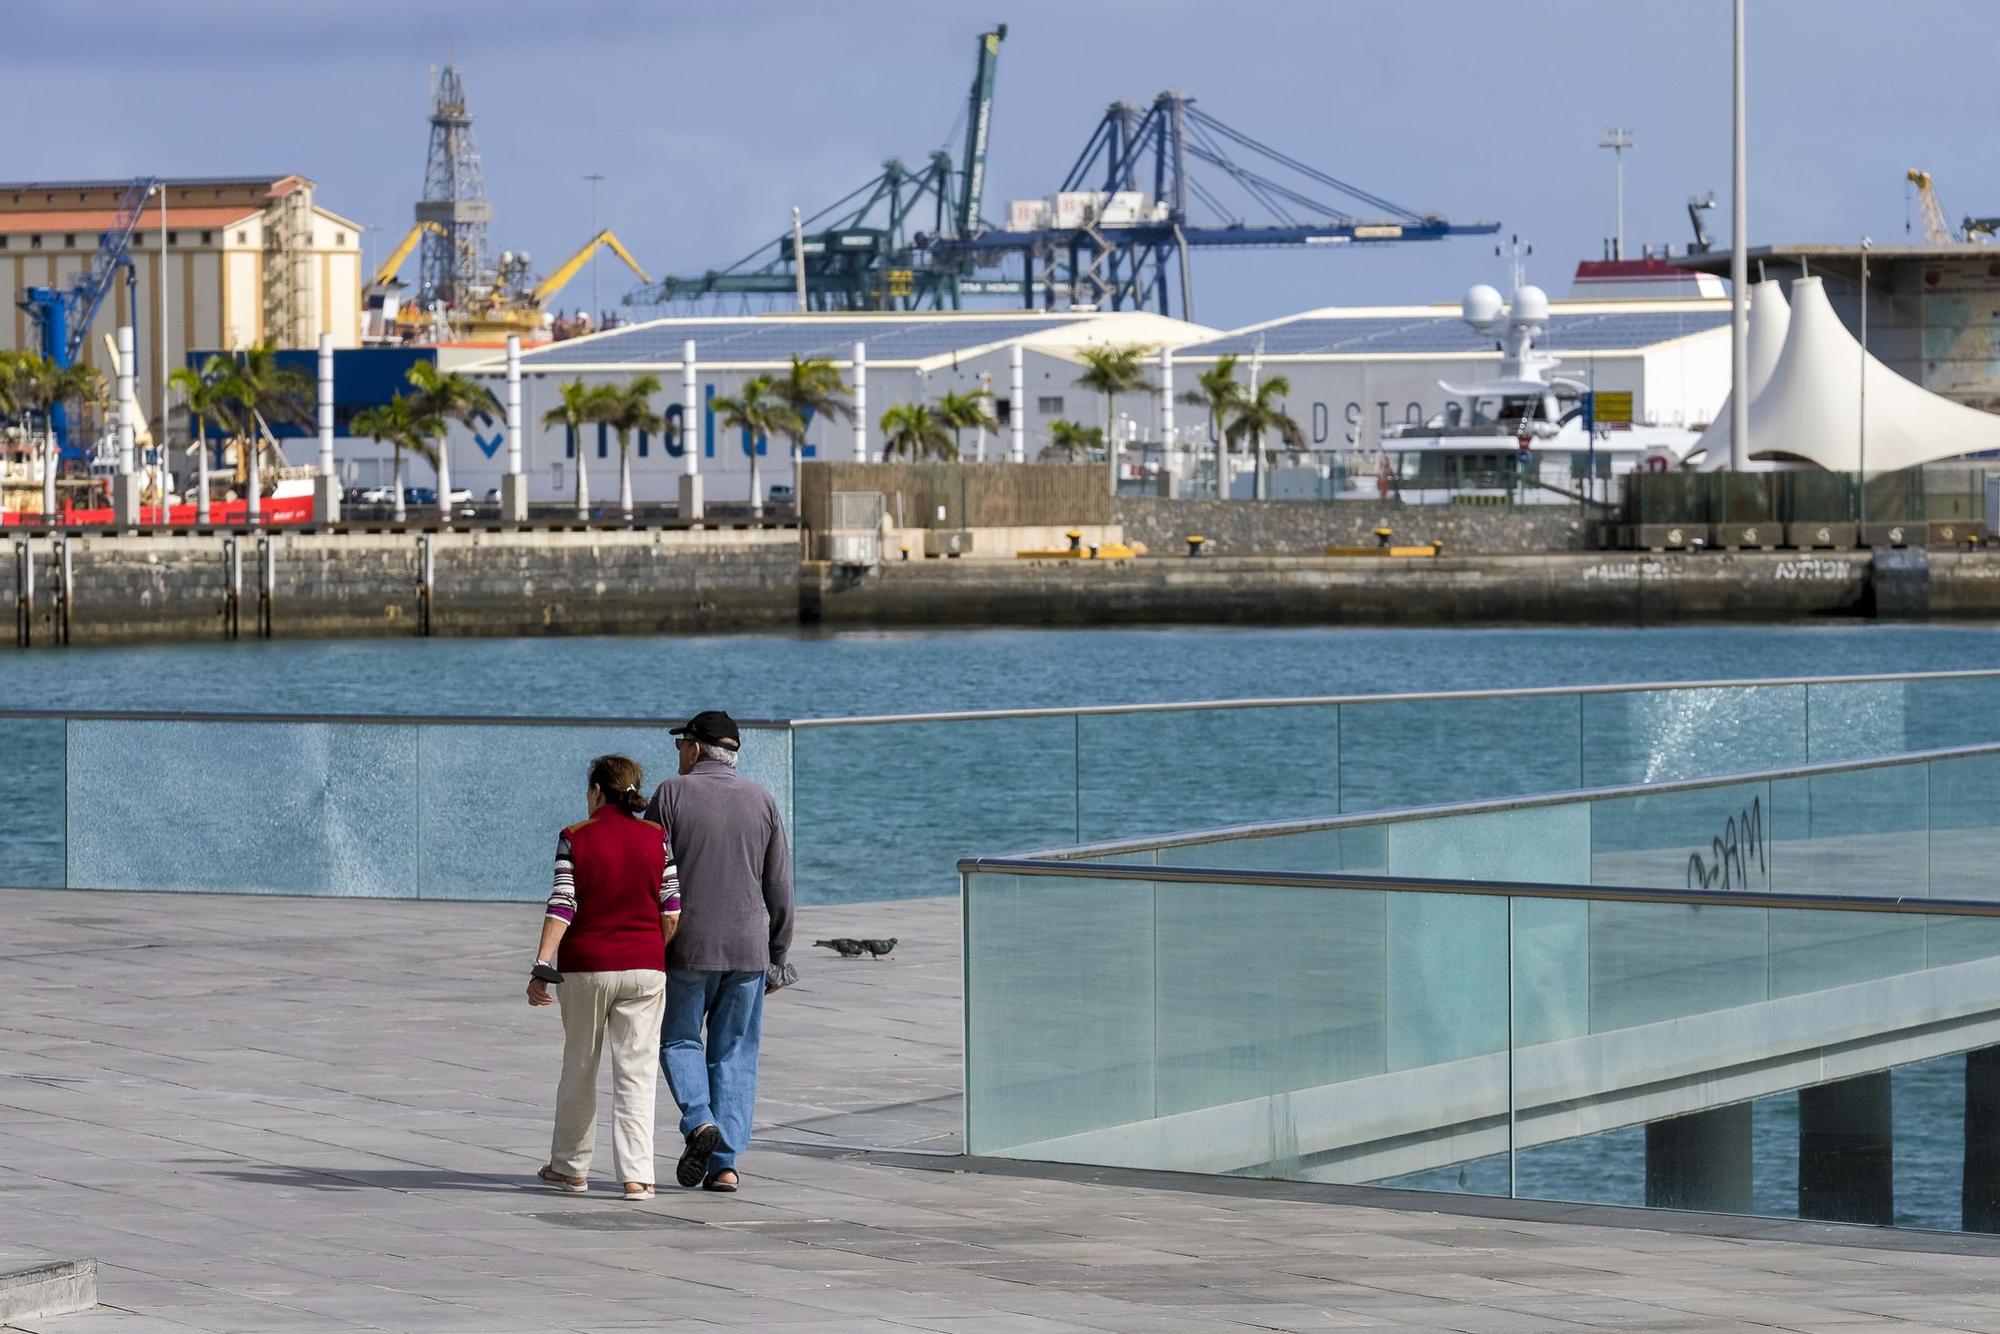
[626,1008]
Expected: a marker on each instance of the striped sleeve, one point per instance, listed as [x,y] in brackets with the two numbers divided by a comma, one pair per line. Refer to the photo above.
[670,879]
[562,897]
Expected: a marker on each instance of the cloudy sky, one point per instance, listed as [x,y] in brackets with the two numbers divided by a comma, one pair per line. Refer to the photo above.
[711,120]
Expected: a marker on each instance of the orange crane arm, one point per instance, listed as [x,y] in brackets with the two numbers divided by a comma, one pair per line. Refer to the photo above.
[556,281]
[1936,230]
[387,273]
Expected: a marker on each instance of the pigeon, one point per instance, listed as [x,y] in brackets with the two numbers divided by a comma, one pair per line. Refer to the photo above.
[877,948]
[845,948]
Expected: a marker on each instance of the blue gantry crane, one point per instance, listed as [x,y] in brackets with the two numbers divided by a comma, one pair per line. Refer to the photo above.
[1133,205]
[63,315]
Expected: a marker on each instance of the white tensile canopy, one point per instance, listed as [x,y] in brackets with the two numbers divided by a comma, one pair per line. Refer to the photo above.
[1809,407]
[1770,320]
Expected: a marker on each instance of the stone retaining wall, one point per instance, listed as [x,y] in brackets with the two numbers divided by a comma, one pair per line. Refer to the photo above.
[1293,528]
[486,583]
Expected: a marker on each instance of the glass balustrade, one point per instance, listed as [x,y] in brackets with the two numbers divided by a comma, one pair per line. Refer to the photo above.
[883,808]
[1602,1046]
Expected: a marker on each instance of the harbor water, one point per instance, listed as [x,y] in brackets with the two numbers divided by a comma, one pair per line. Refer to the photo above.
[830,675]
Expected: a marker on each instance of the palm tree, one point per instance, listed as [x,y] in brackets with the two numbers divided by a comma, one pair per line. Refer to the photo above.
[206,395]
[915,430]
[260,391]
[396,423]
[27,388]
[444,397]
[757,409]
[1219,393]
[956,411]
[812,388]
[1070,442]
[1112,371]
[581,403]
[1260,412]
[633,411]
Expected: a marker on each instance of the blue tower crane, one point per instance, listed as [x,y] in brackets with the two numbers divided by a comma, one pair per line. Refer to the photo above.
[63,315]
[1137,174]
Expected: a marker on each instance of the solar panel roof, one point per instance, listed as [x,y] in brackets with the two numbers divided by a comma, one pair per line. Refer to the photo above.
[778,340]
[1444,333]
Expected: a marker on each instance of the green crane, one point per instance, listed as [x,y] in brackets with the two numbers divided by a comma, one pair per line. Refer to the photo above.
[978,121]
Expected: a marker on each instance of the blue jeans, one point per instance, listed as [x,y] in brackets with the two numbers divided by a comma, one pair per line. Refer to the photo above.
[717,1083]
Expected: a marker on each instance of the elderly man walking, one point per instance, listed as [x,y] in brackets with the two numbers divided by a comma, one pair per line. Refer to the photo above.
[735,930]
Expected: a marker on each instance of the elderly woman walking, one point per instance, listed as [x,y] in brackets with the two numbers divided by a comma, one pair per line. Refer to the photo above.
[615,905]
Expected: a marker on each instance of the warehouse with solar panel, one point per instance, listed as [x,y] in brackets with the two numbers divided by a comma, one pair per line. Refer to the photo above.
[1026,362]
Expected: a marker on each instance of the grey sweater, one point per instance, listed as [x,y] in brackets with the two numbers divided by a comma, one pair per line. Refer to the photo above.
[735,868]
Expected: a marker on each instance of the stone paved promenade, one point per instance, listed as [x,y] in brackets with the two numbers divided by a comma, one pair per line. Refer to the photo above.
[273,1115]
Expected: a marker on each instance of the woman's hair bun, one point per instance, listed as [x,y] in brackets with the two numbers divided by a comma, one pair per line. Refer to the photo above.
[619,777]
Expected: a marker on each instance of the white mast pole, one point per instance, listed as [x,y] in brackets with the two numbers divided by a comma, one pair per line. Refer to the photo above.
[1739,269]
[861,402]
[1018,411]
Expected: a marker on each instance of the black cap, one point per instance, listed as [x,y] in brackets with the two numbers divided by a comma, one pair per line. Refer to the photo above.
[712,726]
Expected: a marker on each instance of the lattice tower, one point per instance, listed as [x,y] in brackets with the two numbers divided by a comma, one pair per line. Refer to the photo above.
[453,265]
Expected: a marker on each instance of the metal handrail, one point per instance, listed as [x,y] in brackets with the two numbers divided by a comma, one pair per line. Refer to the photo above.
[1307,701]
[1043,711]
[1706,898]
[1069,855]
[364,719]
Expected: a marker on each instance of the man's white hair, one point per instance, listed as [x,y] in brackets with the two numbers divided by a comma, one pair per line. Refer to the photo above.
[720,754]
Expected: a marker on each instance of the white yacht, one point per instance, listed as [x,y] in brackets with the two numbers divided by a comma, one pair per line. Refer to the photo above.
[1519,437]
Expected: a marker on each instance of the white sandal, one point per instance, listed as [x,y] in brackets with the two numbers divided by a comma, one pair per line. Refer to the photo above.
[567,1185]
[645,1191]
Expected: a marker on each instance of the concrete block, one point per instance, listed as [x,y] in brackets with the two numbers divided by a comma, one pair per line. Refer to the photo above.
[1820,536]
[125,500]
[947,542]
[1748,536]
[1670,536]
[1957,533]
[514,498]
[326,500]
[58,1287]
[692,504]
[1889,535]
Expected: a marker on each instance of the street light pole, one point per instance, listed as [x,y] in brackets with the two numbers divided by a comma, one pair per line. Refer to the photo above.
[1739,268]
[596,310]
[1618,140]
[1861,461]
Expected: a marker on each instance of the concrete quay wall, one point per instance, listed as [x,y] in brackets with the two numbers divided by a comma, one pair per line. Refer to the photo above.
[155,587]
[1612,588]
[1299,528]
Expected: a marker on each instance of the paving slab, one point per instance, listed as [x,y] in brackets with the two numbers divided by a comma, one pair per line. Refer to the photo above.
[270,1114]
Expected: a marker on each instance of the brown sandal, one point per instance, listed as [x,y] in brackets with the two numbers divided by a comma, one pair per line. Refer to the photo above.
[568,1185]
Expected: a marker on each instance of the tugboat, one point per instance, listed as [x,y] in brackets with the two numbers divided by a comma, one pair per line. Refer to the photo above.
[1520,437]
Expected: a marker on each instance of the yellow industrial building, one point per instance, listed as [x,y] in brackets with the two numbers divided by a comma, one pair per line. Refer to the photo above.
[248,259]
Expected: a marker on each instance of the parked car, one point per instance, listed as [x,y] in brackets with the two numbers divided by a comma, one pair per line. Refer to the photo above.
[379,495]
[782,495]
[419,495]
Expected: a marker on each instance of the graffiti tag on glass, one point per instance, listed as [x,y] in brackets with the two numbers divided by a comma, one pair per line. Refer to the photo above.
[1732,854]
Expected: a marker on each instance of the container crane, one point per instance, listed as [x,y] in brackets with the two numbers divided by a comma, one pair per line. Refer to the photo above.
[63,315]
[1936,230]
[1109,236]
[871,249]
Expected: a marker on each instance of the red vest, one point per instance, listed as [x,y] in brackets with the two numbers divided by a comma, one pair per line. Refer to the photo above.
[619,860]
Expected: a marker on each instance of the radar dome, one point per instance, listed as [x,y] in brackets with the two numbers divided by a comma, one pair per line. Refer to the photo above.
[1531,305]
[1481,305]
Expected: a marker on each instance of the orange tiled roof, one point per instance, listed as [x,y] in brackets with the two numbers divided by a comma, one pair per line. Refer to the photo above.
[91,221]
